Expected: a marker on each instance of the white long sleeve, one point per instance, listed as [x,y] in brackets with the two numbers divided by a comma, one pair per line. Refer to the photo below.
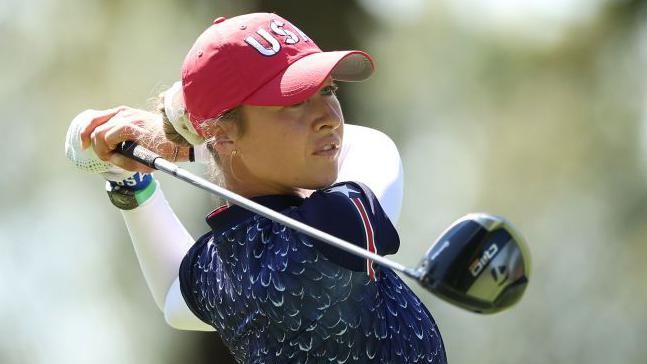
[160,241]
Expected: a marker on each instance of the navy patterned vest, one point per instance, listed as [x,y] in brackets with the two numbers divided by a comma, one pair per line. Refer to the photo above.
[277,296]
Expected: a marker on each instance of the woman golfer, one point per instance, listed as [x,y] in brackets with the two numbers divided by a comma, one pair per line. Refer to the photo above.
[261,95]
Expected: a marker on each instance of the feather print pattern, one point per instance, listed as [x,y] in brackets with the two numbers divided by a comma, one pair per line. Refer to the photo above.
[274,298]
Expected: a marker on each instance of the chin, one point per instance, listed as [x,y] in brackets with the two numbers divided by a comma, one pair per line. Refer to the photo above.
[321,182]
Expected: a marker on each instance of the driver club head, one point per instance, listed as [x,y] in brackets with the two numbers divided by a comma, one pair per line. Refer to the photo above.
[480,263]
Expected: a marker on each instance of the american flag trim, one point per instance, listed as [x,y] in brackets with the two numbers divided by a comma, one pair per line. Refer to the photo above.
[368,230]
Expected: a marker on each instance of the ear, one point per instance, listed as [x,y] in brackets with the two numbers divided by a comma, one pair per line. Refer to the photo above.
[223,134]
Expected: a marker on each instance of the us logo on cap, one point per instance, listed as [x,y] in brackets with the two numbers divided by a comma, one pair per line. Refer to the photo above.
[276,27]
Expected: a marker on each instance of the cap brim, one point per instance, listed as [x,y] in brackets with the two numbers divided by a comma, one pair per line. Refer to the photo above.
[304,77]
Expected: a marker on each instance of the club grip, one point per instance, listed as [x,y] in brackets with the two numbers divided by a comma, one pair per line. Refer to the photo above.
[134,151]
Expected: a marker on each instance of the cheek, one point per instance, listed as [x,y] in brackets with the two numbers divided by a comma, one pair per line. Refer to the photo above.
[277,154]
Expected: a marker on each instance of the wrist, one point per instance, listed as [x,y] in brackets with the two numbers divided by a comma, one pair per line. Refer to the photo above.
[136,182]
[132,192]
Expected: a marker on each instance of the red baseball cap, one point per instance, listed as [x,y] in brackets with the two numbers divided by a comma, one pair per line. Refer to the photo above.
[259,59]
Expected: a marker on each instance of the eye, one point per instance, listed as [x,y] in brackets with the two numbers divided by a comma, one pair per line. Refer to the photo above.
[329,90]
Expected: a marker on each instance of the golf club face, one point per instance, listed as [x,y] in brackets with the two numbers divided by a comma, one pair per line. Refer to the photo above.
[480,263]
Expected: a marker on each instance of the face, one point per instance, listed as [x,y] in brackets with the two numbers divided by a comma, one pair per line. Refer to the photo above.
[284,148]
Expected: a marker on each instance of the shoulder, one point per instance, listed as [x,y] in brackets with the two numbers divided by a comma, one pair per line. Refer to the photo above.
[342,193]
[351,200]
[350,211]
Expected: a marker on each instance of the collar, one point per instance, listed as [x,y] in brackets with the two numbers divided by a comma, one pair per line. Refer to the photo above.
[226,216]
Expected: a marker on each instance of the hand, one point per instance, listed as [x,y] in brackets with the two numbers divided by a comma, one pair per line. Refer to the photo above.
[85,158]
[103,130]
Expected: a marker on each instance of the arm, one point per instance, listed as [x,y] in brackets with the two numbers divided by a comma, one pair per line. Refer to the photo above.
[160,241]
[159,238]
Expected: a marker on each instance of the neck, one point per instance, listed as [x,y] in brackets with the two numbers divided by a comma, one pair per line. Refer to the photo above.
[247,185]
[250,189]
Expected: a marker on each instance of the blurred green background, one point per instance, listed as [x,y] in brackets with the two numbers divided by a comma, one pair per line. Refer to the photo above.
[529,109]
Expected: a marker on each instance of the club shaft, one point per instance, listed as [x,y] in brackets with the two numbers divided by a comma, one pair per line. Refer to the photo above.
[174,170]
[147,157]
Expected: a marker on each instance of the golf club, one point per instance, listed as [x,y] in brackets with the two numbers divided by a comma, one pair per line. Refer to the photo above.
[480,263]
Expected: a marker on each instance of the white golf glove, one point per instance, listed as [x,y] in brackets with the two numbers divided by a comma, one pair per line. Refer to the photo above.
[88,161]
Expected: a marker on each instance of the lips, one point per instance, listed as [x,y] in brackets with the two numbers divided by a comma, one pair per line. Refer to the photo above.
[328,146]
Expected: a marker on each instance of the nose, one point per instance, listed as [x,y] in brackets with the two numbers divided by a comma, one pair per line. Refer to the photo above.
[326,112]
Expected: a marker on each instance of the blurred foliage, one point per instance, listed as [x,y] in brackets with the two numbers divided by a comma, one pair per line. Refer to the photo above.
[536,115]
